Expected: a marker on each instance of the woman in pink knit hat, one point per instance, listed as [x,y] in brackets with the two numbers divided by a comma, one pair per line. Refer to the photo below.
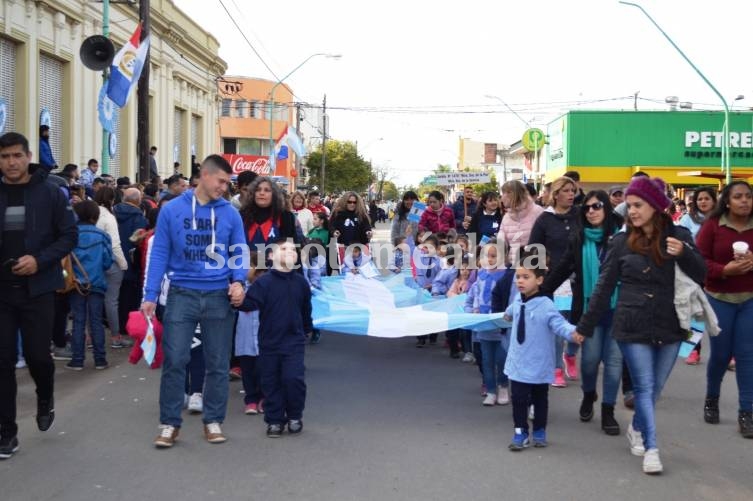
[642,260]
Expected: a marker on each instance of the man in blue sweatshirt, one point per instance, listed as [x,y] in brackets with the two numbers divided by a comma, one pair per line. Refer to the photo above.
[200,245]
[283,299]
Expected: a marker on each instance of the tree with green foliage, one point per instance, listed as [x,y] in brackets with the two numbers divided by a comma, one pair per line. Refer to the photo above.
[345,169]
[390,191]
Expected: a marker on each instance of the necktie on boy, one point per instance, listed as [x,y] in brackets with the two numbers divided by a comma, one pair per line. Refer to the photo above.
[521,334]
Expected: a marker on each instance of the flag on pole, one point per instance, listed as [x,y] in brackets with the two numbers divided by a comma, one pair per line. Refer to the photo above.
[126,68]
[289,140]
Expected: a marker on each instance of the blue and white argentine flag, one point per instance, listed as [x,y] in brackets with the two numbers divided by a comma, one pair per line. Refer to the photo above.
[391,307]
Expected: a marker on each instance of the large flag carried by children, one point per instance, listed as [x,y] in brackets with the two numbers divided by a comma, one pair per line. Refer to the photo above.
[126,68]
[391,308]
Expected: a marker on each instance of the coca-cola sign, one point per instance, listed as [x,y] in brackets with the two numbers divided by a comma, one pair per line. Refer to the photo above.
[241,163]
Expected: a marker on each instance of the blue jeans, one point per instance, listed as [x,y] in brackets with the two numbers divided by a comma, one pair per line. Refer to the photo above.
[601,347]
[493,355]
[735,340]
[92,305]
[185,309]
[649,366]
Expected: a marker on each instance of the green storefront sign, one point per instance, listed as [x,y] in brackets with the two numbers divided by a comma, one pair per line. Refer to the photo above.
[595,142]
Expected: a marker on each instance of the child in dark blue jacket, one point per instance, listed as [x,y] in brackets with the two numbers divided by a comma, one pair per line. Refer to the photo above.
[283,299]
[94,252]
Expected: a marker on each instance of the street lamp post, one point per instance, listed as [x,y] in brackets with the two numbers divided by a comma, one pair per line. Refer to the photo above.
[271,104]
[725,128]
[504,153]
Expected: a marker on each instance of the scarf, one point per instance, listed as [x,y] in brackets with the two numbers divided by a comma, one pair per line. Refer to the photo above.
[592,264]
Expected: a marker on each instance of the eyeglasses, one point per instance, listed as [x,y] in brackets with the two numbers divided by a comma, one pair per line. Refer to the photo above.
[352,202]
[594,206]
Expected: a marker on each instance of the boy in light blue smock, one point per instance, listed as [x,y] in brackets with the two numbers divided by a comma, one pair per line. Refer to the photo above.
[530,360]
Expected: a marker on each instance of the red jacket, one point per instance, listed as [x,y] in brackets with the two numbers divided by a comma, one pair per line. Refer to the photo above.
[715,243]
[436,223]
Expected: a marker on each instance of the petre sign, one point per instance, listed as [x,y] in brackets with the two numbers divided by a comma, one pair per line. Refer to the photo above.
[713,139]
[242,163]
[447,178]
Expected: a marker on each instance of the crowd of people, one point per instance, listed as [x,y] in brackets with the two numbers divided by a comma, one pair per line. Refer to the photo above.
[174,251]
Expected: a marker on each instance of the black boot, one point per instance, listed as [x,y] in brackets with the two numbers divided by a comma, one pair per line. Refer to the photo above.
[608,423]
[711,410]
[745,420]
[587,406]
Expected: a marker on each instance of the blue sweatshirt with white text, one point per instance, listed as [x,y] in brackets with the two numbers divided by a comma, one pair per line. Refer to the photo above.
[185,231]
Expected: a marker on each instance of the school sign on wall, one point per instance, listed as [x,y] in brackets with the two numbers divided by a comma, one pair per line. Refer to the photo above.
[608,146]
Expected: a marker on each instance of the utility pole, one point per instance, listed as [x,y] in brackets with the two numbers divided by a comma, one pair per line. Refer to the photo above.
[142,113]
[105,162]
[324,143]
[298,133]
[635,100]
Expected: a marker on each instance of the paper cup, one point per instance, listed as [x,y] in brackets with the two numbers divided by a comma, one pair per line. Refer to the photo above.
[740,248]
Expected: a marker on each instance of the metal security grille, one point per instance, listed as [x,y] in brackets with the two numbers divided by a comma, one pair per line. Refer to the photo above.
[8,82]
[50,89]
[195,137]
[177,136]
[115,160]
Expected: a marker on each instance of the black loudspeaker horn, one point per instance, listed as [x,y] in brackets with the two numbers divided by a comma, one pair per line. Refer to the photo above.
[97,52]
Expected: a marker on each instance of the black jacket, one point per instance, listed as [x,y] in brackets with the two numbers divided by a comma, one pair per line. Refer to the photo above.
[645,311]
[129,219]
[501,293]
[553,231]
[570,266]
[50,233]
[284,304]
[362,226]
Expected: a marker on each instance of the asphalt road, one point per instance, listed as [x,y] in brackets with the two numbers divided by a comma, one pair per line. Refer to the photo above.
[384,420]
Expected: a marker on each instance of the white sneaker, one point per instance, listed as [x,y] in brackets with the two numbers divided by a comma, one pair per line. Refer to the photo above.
[636,442]
[651,462]
[503,397]
[531,414]
[490,399]
[467,358]
[196,403]
[21,363]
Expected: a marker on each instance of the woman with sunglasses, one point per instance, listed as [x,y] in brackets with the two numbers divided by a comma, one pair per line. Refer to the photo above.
[350,222]
[553,229]
[583,259]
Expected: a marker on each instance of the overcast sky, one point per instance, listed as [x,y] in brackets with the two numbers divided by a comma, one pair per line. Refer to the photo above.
[435,62]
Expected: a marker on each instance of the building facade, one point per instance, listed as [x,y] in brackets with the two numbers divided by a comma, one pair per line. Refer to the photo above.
[43,79]
[682,147]
[246,112]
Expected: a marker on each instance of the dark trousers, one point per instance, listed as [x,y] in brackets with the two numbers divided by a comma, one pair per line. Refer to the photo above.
[465,341]
[33,316]
[129,300]
[283,385]
[251,379]
[524,394]
[60,323]
[627,382]
[195,371]
[453,339]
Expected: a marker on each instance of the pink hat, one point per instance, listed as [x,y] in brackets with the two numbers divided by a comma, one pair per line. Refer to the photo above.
[652,190]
